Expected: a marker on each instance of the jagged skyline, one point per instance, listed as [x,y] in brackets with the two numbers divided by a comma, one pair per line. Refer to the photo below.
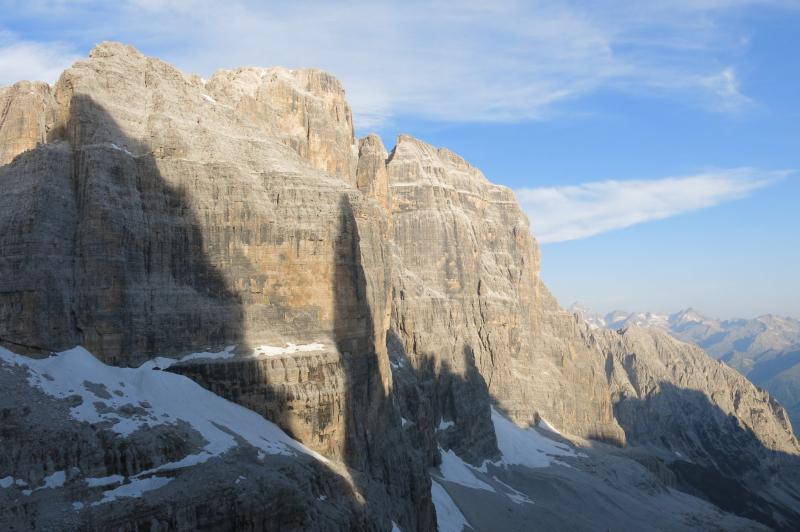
[680,114]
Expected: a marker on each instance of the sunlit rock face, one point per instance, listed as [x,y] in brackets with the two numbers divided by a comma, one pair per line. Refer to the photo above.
[466,291]
[28,117]
[305,109]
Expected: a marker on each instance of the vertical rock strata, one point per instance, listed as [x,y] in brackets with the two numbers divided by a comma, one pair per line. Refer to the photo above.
[27,118]
[147,213]
[305,109]
[162,220]
[466,291]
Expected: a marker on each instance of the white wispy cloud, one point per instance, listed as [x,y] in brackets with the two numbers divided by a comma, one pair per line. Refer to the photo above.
[21,59]
[506,60]
[574,212]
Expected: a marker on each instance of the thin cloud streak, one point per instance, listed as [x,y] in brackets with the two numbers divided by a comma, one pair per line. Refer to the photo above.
[468,61]
[25,60]
[574,212]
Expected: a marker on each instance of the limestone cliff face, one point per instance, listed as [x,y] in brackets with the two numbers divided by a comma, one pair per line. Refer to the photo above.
[306,109]
[161,220]
[658,383]
[190,226]
[27,118]
[473,325]
[466,280]
[148,213]
[371,175]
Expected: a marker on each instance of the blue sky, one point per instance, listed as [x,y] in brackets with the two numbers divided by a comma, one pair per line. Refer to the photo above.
[654,145]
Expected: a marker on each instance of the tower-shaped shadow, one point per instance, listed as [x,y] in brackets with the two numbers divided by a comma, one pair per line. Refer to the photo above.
[388,470]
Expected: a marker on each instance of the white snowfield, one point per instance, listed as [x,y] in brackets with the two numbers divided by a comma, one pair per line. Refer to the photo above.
[129,399]
[448,517]
[525,447]
[228,353]
[454,469]
[518,446]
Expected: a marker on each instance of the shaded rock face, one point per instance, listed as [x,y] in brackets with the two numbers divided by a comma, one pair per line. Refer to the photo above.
[63,469]
[725,439]
[649,363]
[765,349]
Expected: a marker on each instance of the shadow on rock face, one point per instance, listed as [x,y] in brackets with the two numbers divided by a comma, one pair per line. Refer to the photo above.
[448,409]
[720,460]
[117,260]
[387,468]
[715,457]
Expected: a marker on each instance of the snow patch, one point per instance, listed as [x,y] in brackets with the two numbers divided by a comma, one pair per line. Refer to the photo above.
[104,481]
[448,517]
[517,497]
[115,147]
[208,98]
[136,488]
[525,447]
[164,362]
[455,470]
[56,480]
[144,398]
[444,425]
[543,424]
[225,353]
[271,351]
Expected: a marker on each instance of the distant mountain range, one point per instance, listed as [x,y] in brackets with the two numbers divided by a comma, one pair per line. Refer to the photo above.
[765,349]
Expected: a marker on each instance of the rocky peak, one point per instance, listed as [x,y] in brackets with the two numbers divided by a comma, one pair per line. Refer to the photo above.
[306,108]
[371,176]
[467,281]
[115,49]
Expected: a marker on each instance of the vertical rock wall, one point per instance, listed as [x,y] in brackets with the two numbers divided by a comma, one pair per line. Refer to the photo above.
[466,280]
[163,219]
